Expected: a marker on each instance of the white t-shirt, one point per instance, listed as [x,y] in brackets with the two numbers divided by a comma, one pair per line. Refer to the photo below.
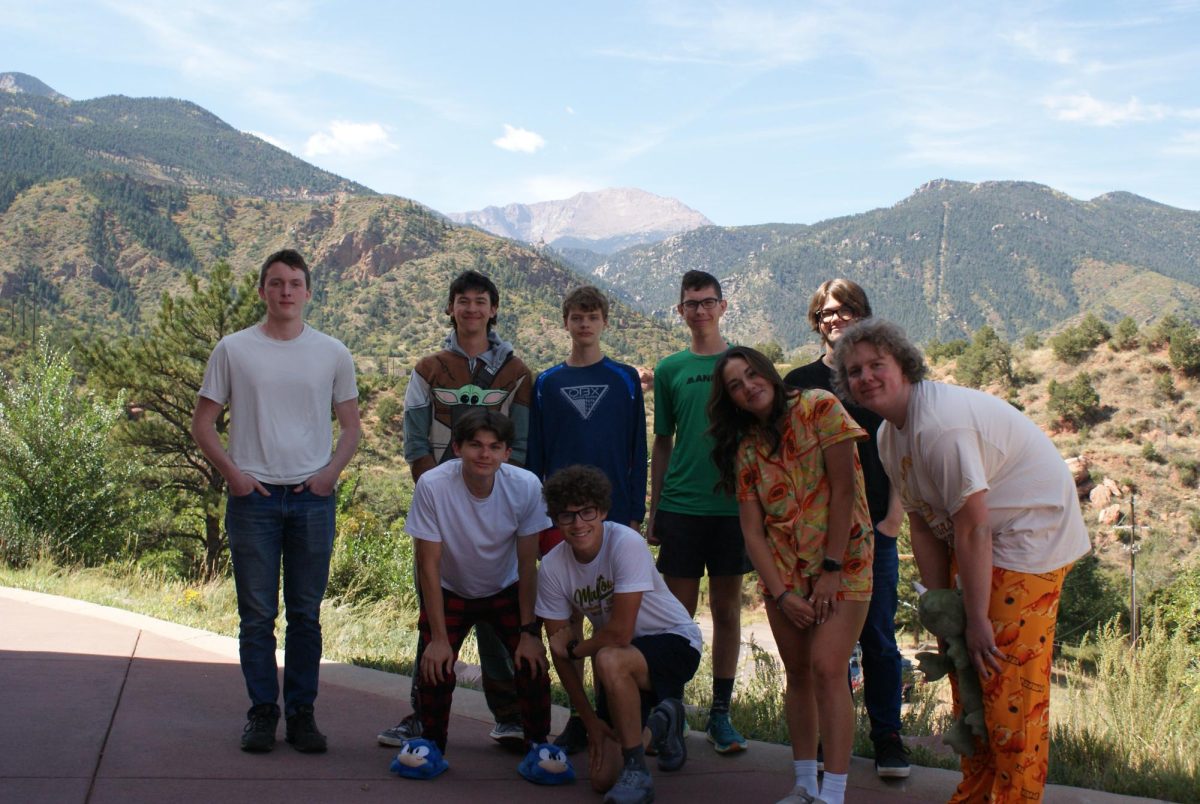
[959,441]
[622,565]
[280,395]
[478,536]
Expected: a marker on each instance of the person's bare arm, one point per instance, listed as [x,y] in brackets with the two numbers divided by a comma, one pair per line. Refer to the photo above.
[438,658]
[795,607]
[660,459]
[530,649]
[349,433]
[204,433]
[973,549]
[931,553]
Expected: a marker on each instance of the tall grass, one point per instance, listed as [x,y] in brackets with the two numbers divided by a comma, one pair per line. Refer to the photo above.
[1132,725]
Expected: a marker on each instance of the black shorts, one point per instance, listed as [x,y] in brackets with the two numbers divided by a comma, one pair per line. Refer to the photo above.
[690,543]
[671,661]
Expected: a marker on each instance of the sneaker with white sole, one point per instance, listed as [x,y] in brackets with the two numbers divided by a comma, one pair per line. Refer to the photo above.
[402,732]
[510,735]
[891,758]
[723,735]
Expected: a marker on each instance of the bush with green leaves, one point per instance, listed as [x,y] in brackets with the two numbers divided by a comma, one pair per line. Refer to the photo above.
[1091,597]
[1125,336]
[937,351]
[1184,351]
[987,359]
[67,490]
[1075,402]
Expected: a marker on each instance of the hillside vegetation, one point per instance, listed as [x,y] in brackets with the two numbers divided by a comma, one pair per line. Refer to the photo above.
[952,257]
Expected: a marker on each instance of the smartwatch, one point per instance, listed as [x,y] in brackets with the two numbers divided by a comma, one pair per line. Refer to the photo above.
[574,643]
[533,629]
[831,565]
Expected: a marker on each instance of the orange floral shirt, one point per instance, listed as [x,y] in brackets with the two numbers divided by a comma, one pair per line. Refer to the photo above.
[793,489]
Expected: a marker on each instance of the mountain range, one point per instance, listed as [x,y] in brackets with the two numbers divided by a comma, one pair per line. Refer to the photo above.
[105,204]
[604,221]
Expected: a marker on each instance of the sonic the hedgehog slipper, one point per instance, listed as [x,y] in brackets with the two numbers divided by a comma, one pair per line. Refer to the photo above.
[419,759]
[546,764]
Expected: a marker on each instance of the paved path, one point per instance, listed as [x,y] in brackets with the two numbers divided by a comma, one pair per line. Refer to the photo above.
[102,705]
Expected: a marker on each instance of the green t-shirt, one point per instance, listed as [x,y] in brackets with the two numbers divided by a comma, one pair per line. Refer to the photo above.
[682,383]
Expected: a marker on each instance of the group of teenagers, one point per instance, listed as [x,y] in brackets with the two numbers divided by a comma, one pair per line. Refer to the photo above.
[530,505]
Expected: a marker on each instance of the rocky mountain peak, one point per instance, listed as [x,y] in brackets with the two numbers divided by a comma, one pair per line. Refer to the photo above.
[28,85]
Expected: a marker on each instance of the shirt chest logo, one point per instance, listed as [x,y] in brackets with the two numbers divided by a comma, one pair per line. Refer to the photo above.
[584,398]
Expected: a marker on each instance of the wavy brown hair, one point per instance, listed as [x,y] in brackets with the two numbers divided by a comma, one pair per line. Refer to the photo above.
[728,424]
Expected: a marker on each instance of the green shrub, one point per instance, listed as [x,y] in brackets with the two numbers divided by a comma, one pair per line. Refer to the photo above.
[371,562]
[1070,346]
[1189,472]
[66,489]
[1184,351]
[1075,402]
[1151,454]
[1133,725]
[937,351]
[1125,336]
[987,359]
[1090,598]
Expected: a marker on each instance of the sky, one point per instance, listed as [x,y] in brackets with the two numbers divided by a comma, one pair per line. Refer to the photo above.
[749,112]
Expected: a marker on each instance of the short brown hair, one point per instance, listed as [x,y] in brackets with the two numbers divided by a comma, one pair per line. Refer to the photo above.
[585,299]
[847,291]
[577,485]
[289,257]
[478,419]
[885,336]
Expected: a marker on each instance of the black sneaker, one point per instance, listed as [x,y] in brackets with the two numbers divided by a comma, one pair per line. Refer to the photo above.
[302,732]
[259,735]
[891,758]
[668,724]
[574,736]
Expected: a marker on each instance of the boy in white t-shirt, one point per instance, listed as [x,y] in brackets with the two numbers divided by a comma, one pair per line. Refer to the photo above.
[475,522]
[280,379]
[645,646]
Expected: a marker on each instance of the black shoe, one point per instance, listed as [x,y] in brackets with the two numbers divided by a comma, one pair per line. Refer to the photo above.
[574,736]
[259,735]
[891,758]
[302,732]
[668,724]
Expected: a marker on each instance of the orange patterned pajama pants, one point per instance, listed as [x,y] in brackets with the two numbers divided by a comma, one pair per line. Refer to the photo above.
[1016,701]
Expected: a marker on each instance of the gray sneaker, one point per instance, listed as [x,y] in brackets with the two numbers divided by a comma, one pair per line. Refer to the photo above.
[402,732]
[633,787]
[668,724]
[509,735]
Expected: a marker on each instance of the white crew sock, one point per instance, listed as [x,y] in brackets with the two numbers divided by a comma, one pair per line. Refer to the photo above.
[833,790]
[806,774]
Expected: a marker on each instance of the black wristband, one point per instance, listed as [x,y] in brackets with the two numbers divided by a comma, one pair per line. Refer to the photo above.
[533,628]
[831,565]
[571,646]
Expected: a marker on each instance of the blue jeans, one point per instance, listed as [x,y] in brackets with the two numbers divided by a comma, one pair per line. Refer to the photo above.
[881,657]
[295,529]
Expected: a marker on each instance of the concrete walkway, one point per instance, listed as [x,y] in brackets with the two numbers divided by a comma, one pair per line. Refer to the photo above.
[102,705]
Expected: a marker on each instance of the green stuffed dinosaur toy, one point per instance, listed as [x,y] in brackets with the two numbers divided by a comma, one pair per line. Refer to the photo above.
[942,613]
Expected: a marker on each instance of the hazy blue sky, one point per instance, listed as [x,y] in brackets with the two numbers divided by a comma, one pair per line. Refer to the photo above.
[749,112]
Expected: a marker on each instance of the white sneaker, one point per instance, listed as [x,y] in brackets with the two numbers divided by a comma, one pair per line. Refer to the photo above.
[800,795]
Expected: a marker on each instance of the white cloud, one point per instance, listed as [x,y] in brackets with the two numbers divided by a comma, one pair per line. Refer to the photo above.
[1041,46]
[344,138]
[268,139]
[519,139]
[1083,108]
[570,110]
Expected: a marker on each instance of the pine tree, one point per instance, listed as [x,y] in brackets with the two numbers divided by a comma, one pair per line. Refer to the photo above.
[161,372]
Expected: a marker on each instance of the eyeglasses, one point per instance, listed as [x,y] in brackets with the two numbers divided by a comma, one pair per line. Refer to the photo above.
[566,518]
[841,313]
[691,305]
